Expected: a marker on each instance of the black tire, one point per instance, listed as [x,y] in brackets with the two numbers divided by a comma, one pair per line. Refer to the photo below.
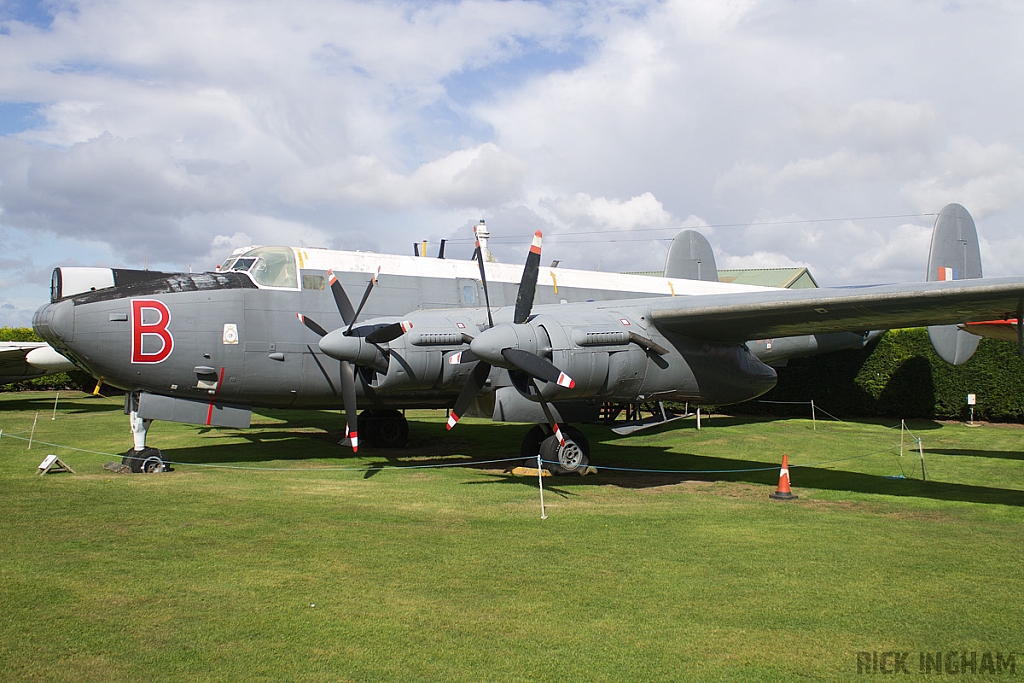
[383,429]
[574,456]
[367,423]
[146,461]
[531,445]
[392,430]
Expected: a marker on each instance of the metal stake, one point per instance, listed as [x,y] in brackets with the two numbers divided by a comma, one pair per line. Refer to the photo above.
[32,435]
[540,484]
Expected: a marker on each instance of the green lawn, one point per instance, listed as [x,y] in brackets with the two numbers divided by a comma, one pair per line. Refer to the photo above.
[300,562]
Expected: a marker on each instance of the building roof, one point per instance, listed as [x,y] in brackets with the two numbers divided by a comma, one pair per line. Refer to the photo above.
[784,278]
[787,278]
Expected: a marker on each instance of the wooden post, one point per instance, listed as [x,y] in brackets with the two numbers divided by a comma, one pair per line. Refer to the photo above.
[920,452]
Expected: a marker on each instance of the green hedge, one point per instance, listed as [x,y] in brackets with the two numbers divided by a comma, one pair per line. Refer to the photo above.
[61,380]
[901,376]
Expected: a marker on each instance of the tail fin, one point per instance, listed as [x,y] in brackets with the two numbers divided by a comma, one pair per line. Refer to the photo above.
[954,255]
[691,258]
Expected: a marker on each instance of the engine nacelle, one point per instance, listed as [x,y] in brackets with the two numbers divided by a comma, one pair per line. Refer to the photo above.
[618,357]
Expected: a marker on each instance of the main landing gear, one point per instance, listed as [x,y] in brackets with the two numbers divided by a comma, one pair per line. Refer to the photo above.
[383,429]
[574,456]
[140,458]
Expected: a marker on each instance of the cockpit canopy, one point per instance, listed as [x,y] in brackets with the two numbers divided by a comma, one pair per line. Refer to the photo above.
[268,266]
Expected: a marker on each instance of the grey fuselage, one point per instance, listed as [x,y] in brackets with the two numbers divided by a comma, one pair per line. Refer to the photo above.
[225,338]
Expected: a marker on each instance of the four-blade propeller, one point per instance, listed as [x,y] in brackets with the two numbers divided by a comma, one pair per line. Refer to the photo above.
[347,345]
[499,346]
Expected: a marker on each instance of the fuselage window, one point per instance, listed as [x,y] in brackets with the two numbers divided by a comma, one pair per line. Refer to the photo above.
[312,281]
[468,295]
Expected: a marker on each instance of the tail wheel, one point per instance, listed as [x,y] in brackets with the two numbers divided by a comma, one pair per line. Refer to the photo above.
[574,456]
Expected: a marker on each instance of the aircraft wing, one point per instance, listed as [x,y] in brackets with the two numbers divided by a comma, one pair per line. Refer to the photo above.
[783,313]
[13,366]
[25,360]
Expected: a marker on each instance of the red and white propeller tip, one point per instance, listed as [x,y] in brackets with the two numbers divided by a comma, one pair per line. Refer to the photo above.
[535,244]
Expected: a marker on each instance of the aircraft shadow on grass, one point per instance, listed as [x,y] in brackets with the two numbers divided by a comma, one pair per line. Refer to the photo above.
[44,404]
[1007,455]
[432,445]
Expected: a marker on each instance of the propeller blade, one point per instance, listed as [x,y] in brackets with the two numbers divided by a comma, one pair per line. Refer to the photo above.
[538,367]
[366,295]
[311,324]
[483,283]
[528,283]
[466,356]
[348,394]
[547,414]
[341,299]
[389,332]
[469,392]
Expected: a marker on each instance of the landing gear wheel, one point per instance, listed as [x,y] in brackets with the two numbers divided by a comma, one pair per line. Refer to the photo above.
[574,456]
[392,429]
[531,445]
[383,429]
[146,461]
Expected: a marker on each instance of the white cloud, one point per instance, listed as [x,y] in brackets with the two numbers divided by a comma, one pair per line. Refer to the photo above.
[183,130]
[478,177]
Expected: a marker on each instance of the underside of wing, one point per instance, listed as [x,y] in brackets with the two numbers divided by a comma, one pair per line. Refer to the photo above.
[13,365]
[783,313]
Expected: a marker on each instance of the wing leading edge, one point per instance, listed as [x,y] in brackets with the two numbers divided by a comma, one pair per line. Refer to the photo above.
[782,313]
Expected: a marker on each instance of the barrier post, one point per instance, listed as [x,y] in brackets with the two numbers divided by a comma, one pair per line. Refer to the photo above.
[814,422]
[902,423]
[540,485]
[55,399]
[920,452]
[32,435]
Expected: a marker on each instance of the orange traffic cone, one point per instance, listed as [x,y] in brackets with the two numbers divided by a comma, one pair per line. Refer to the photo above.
[783,493]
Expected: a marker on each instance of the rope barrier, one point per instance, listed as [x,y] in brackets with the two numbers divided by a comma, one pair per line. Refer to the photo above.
[469,463]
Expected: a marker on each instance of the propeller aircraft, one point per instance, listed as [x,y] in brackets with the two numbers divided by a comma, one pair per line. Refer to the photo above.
[262,331]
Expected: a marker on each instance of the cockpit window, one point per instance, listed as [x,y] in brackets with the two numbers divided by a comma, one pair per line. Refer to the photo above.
[269,266]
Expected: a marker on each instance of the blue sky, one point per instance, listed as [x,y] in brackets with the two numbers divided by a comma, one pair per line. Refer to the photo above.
[164,134]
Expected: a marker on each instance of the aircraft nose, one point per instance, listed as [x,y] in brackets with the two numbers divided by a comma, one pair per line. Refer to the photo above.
[55,322]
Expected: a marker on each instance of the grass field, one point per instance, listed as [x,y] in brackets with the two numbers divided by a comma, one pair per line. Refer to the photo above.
[300,562]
